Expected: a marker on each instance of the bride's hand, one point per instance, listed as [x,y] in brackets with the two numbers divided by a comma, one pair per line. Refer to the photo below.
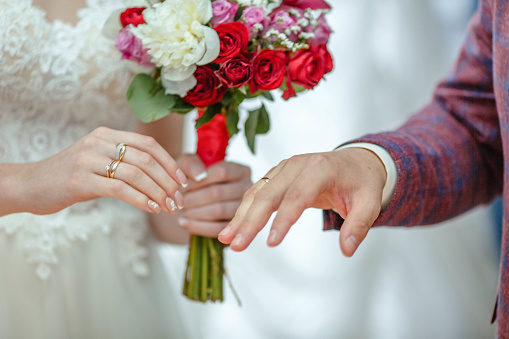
[213,196]
[148,177]
[349,180]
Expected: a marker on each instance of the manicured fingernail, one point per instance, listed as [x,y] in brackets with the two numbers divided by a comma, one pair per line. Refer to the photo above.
[197,171]
[183,221]
[237,240]
[351,244]
[202,176]
[182,178]
[154,206]
[171,205]
[272,237]
[225,231]
[179,199]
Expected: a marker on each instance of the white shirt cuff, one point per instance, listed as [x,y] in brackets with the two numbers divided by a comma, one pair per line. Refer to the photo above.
[390,168]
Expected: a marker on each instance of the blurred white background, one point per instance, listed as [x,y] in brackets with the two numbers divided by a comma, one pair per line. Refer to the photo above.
[429,282]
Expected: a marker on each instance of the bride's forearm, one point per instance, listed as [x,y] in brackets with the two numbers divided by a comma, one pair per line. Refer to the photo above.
[14,197]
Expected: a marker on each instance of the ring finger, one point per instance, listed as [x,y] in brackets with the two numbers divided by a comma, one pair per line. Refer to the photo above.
[140,181]
[152,168]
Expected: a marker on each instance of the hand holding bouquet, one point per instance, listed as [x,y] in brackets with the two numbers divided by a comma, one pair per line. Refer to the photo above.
[213,55]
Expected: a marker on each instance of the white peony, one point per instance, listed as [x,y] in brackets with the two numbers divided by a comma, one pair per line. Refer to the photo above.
[178,39]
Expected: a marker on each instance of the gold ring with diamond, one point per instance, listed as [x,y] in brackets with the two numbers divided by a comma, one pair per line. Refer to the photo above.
[265,179]
[111,168]
[120,151]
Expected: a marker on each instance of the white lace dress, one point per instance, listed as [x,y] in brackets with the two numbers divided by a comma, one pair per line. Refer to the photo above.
[91,270]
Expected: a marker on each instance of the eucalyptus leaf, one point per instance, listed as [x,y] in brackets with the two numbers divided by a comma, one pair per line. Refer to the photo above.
[148,100]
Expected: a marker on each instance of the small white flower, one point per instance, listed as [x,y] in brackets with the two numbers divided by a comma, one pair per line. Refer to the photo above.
[258,27]
[303,22]
[295,29]
[307,35]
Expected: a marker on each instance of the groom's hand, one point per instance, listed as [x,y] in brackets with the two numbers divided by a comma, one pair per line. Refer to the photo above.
[213,194]
[350,181]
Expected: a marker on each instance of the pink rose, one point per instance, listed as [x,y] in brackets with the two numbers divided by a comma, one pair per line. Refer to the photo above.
[224,11]
[132,48]
[280,19]
[322,32]
[251,16]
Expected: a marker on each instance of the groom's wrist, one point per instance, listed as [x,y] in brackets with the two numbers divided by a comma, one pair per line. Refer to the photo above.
[389,164]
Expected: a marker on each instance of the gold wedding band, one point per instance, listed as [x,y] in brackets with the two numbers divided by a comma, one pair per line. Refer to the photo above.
[120,151]
[111,168]
[265,179]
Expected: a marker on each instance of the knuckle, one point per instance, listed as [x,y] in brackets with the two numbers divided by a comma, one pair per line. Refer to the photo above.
[100,131]
[250,193]
[90,141]
[319,160]
[215,193]
[149,141]
[222,173]
[219,210]
[146,159]
[118,188]
[136,173]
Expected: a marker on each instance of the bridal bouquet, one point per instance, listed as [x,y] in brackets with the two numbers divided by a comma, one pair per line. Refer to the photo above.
[213,55]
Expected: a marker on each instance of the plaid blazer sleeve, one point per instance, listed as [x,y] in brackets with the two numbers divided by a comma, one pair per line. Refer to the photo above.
[449,155]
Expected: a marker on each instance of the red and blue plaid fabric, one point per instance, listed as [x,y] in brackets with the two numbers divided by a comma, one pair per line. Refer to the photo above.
[449,155]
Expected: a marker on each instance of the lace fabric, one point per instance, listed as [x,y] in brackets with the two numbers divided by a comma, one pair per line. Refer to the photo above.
[58,82]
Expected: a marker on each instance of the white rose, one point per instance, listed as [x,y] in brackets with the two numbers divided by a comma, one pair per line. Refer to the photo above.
[178,39]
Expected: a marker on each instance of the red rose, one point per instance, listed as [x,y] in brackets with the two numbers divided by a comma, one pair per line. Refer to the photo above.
[303,4]
[208,90]
[236,72]
[132,16]
[323,53]
[233,37]
[308,66]
[269,70]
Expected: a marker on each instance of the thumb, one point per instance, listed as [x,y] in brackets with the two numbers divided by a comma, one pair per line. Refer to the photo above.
[357,223]
[192,166]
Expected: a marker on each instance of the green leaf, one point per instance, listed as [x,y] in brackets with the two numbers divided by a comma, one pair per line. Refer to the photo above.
[209,114]
[181,106]
[257,123]
[147,99]
[239,97]
[232,121]
[238,15]
[263,125]
[267,95]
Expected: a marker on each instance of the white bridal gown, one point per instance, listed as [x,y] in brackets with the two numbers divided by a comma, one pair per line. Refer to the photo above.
[91,270]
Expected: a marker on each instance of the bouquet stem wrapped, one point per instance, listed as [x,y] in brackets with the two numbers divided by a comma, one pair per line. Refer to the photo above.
[203,279]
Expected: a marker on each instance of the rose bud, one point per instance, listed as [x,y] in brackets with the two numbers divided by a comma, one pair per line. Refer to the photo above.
[236,72]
